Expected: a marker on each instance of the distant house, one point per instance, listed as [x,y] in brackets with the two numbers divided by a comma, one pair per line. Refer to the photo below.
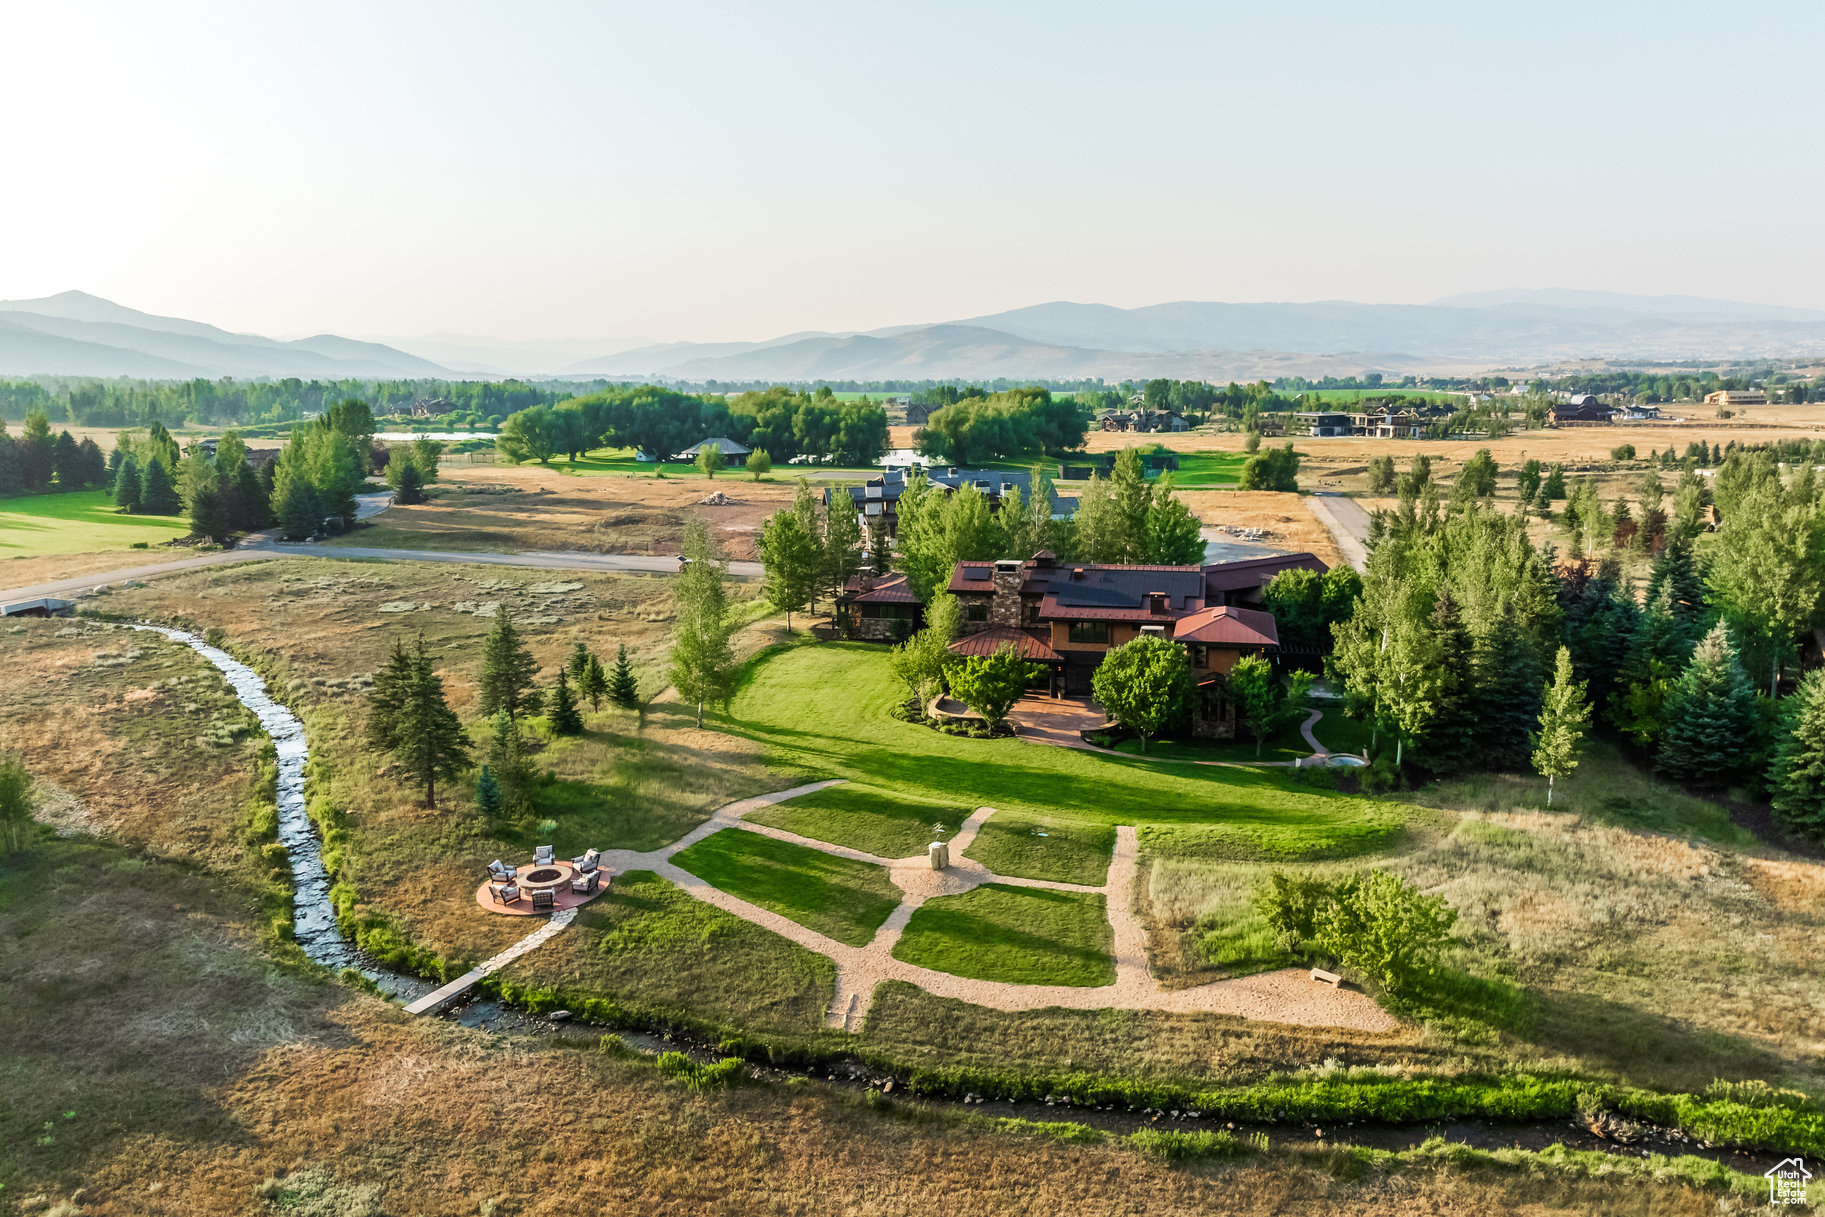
[1635,412]
[879,498]
[1068,616]
[918,413]
[1580,410]
[1387,424]
[432,407]
[1734,398]
[1143,420]
[1323,424]
[732,452]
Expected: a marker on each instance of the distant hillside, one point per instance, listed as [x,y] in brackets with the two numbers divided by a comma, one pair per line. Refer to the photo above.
[74,333]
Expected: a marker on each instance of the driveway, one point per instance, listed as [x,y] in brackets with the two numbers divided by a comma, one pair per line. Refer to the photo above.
[1348,522]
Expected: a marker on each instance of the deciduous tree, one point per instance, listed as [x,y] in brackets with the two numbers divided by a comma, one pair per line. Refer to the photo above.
[1145,685]
[702,664]
[1563,718]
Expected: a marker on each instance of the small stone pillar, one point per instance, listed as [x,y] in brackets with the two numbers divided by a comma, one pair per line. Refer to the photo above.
[939,853]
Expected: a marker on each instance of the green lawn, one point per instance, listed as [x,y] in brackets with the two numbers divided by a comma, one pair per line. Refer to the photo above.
[1285,745]
[85,521]
[1206,469]
[1022,935]
[822,712]
[876,821]
[838,897]
[622,462]
[1044,847]
[1341,734]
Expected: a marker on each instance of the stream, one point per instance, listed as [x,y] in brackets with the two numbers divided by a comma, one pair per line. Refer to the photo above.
[315,930]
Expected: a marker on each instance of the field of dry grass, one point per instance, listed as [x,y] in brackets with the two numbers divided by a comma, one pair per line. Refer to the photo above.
[1284,520]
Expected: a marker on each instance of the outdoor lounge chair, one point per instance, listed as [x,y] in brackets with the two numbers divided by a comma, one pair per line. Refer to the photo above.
[586,862]
[542,856]
[502,872]
[586,883]
[544,898]
[505,893]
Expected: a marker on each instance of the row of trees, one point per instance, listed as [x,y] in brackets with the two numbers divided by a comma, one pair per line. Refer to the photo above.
[35,461]
[660,422]
[809,550]
[1001,426]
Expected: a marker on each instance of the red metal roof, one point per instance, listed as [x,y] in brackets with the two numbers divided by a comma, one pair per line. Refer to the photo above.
[888,589]
[1227,625]
[1254,572]
[989,641]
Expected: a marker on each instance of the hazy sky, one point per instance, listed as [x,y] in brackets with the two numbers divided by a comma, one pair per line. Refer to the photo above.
[705,171]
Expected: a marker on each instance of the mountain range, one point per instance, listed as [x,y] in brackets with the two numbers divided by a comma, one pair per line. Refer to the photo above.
[78,334]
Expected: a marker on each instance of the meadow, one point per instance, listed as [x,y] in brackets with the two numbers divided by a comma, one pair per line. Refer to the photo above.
[83,521]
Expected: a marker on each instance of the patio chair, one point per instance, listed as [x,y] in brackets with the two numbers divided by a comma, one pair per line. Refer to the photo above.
[544,898]
[502,872]
[586,883]
[542,856]
[505,893]
[588,861]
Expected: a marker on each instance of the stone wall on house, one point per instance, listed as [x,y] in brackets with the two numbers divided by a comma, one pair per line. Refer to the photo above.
[1213,717]
[1005,608]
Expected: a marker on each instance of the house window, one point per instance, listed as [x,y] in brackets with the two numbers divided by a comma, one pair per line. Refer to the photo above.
[1090,631]
[1200,655]
[976,611]
[1032,612]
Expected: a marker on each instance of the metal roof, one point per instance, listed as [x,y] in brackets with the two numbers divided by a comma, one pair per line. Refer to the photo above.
[990,641]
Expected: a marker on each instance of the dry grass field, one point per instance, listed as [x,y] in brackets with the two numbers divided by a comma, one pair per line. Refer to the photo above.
[508,507]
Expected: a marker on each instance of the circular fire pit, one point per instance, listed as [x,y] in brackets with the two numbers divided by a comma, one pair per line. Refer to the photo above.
[543,876]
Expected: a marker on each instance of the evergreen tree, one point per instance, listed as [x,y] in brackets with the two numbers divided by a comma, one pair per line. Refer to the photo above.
[157,496]
[34,451]
[789,562]
[508,761]
[9,464]
[1796,775]
[880,551]
[577,664]
[1564,715]
[1678,576]
[1507,678]
[127,486]
[295,504]
[1657,651]
[428,739]
[1132,499]
[387,699]
[488,795]
[411,487]
[1710,716]
[564,717]
[623,690]
[507,669]
[702,664]
[841,548]
[1451,737]
[594,683]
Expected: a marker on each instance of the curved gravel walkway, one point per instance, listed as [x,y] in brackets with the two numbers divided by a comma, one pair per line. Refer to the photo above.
[1286,996]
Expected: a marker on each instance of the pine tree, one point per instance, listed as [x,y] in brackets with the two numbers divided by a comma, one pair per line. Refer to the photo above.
[295,504]
[1797,774]
[127,485]
[411,487]
[564,717]
[507,668]
[1507,677]
[1174,534]
[578,663]
[702,663]
[508,762]
[1657,652]
[1451,736]
[488,795]
[387,699]
[880,552]
[428,739]
[841,550]
[158,496]
[594,684]
[623,690]
[1710,716]
[1564,714]
[10,484]
[1676,573]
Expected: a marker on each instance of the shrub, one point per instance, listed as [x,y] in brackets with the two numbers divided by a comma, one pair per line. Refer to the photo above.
[1171,1145]
[1623,452]
[1373,924]
[699,1078]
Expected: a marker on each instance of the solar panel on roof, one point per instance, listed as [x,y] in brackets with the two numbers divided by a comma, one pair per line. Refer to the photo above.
[975,572]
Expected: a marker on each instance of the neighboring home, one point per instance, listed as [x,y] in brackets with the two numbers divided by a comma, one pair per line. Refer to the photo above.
[1387,424]
[732,452]
[917,414]
[1735,398]
[257,457]
[879,609]
[1634,412]
[1582,410]
[1244,582]
[1141,420]
[432,407]
[1323,424]
[879,498]
[1067,616]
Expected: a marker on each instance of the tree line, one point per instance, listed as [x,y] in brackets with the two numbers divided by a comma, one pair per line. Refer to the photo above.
[37,462]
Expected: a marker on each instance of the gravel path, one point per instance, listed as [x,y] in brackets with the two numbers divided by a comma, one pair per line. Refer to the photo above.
[1349,525]
[1287,996]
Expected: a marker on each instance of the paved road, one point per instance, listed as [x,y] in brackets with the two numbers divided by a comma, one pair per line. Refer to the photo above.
[262,547]
[1348,522]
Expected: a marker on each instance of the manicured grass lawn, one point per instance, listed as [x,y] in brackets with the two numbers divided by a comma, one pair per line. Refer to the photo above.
[1035,847]
[81,522]
[1286,745]
[880,822]
[822,711]
[648,943]
[1209,469]
[838,897]
[1341,734]
[1022,935]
